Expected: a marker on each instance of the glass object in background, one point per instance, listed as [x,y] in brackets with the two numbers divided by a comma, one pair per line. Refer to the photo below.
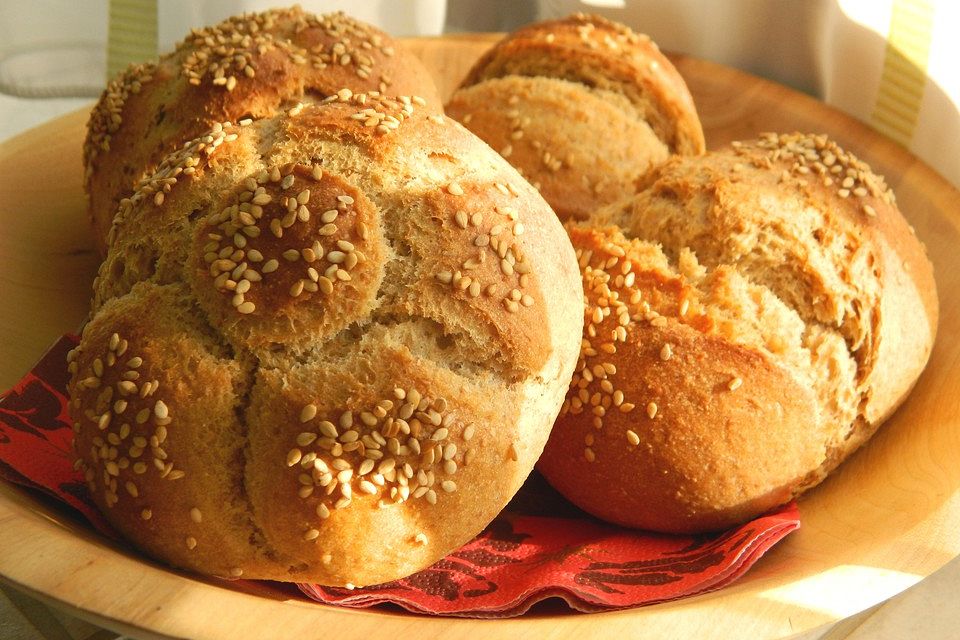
[65,51]
[65,48]
[52,48]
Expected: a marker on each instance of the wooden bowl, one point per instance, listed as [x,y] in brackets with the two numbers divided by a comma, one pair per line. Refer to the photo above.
[884,521]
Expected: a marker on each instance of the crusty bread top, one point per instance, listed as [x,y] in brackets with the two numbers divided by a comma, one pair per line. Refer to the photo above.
[548,129]
[253,65]
[418,184]
[810,221]
[696,402]
[763,309]
[604,55]
[358,283]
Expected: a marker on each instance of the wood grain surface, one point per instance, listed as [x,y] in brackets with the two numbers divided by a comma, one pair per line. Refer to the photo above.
[885,520]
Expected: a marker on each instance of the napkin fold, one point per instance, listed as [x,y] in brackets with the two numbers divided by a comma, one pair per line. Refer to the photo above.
[539,547]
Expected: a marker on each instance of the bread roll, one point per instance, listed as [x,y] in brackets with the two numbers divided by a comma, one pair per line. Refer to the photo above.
[250,66]
[753,315]
[324,351]
[552,131]
[581,106]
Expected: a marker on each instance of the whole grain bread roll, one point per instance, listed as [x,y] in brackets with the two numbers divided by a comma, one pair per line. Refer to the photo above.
[582,106]
[250,66]
[323,350]
[752,316]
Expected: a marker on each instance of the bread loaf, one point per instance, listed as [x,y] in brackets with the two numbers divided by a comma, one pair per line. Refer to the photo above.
[324,350]
[251,66]
[753,315]
[581,106]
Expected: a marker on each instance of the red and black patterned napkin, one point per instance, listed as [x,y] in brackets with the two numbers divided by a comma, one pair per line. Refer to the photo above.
[539,547]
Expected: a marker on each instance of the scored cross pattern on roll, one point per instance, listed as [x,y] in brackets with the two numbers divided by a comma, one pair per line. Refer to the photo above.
[250,66]
[327,345]
[582,106]
[753,315]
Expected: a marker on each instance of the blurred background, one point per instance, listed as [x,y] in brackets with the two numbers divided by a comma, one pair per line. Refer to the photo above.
[890,63]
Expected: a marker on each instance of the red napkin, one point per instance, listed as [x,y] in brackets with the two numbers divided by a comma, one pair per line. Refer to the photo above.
[539,547]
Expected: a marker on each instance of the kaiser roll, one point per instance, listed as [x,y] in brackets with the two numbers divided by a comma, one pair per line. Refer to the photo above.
[752,316]
[322,350]
[582,106]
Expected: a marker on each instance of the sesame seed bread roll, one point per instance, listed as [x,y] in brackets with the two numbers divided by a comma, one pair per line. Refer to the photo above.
[355,340]
[548,129]
[583,106]
[753,315]
[249,66]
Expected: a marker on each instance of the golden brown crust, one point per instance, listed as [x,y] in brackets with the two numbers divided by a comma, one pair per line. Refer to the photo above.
[412,484]
[787,274]
[801,205]
[603,55]
[160,464]
[254,65]
[413,210]
[582,106]
[669,424]
[547,129]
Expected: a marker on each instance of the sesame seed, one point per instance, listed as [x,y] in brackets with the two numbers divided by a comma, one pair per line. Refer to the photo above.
[651,410]
[306,438]
[146,514]
[236,572]
[160,409]
[246,307]
[311,534]
[293,457]
[666,352]
[328,429]
[455,189]
[589,454]
[632,437]
[734,384]
[191,543]
[195,515]
[308,412]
